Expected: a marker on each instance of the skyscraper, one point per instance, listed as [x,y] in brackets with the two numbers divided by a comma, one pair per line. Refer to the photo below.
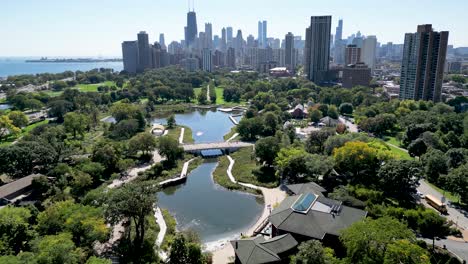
[422,67]
[368,51]
[264,33]
[223,40]
[229,37]
[191,29]
[130,56]
[144,55]
[208,36]
[352,54]
[339,31]
[260,34]
[207,60]
[162,42]
[231,58]
[317,48]
[290,54]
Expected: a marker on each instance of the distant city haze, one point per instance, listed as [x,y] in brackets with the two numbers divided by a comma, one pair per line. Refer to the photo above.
[97,28]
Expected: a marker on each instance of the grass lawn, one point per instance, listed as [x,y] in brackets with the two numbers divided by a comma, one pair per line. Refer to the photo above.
[24,131]
[243,167]
[231,133]
[219,95]
[93,87]
[392,140]
[400,153]
[220,177]
[175,133]
[2,100]
[53,93]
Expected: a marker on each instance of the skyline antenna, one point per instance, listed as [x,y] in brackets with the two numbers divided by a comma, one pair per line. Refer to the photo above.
[193,5]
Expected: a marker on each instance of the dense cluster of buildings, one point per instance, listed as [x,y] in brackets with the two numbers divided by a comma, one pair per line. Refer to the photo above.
[327,59]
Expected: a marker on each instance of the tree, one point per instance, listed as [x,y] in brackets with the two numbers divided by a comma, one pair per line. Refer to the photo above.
[76,123]
[108,154]
[417,148]
[399,178]
[316,140]
[266,149]
[56,249]
[310,252]
[59,108]
[185,251]
[125,129]
[315,115]
[124,111]
[456,157]
[144,142]
[133,201]
[18,118]
[14,229]
[96,260]
[7,127]
[250,128]
[361,160]
[403,251]
[170,148]
[332,112]
[458,182]
[270,124]
[346,109]
[171,122]
[435,164]
[367,241]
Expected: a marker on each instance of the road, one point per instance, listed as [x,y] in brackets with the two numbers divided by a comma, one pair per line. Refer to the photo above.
[458,248]
[353,128]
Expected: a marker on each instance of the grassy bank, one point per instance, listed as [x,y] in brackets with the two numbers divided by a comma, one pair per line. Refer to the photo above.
[231,133]
[175,133]
[171,229]
[400,153]
[452,197]
[243,167]
[220,177]
[166,110]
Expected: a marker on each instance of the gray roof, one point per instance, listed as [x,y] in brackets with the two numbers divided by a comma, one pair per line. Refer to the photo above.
[258,250]
[306,187]
[328,121]
[18,185]
[318,221]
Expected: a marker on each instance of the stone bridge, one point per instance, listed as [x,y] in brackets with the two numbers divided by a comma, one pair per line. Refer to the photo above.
[225,147]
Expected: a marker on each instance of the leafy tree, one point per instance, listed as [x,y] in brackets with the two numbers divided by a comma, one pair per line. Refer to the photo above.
[107,153]
[170,148]
[367,241]
[417,148]
[133,201]
[361,160]
[33,104]
[125,129]
[316,140]
[456,157]
[435,164]
[7,127]
[59,108]
[403,251]
[144,142]
[14,229]
[332,112]
[266,149]
[184,251]
[76,123]
[56,249]
[171,122]
[250,128]
[96,260]
[310,252]
[346,109]
[315,115]
[399,178]
[18,118]
[124,111]
[270,124]
[458,182]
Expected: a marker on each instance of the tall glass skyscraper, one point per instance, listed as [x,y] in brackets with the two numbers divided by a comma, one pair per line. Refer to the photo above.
[317,48]
[191,29]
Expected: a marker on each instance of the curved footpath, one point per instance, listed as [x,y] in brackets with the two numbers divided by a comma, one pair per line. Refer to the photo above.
[233,137]
[181,136]
[271,197]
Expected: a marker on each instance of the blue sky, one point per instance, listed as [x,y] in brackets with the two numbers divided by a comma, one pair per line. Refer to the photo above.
[97,27]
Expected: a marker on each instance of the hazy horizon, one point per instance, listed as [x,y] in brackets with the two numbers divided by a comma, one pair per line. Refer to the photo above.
[53,28]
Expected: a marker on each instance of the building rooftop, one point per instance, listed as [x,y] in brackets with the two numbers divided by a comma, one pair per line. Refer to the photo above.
[305,188]
[16,186]
[259,250]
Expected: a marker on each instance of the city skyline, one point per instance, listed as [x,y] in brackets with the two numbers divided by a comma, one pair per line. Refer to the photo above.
[28,38]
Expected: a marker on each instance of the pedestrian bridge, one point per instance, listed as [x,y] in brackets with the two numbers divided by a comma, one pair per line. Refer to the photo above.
[225,147]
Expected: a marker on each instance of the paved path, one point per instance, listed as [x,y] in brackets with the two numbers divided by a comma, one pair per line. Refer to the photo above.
[208,99]
[162,232]
[233,120]
[353,128]
[233,137]
[181,136]
[216,145]
[183,174]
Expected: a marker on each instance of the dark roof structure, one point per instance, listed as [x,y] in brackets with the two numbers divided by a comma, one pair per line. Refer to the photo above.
[304,188]
[17,187]
[258,250]
[313,215]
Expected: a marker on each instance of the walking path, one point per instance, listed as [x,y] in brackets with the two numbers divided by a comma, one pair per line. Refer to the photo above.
[181,136]
[233,137]
[162,232]
[183,174]
[271,197]
[233,120]
[208,99]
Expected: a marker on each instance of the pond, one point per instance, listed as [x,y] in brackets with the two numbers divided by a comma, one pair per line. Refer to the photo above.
[5,106]
[214,212]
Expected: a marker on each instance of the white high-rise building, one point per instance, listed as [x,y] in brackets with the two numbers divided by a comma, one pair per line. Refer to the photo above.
[368,51]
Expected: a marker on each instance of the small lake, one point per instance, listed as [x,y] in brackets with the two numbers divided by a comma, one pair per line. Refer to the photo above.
[214,212]
[206,125]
